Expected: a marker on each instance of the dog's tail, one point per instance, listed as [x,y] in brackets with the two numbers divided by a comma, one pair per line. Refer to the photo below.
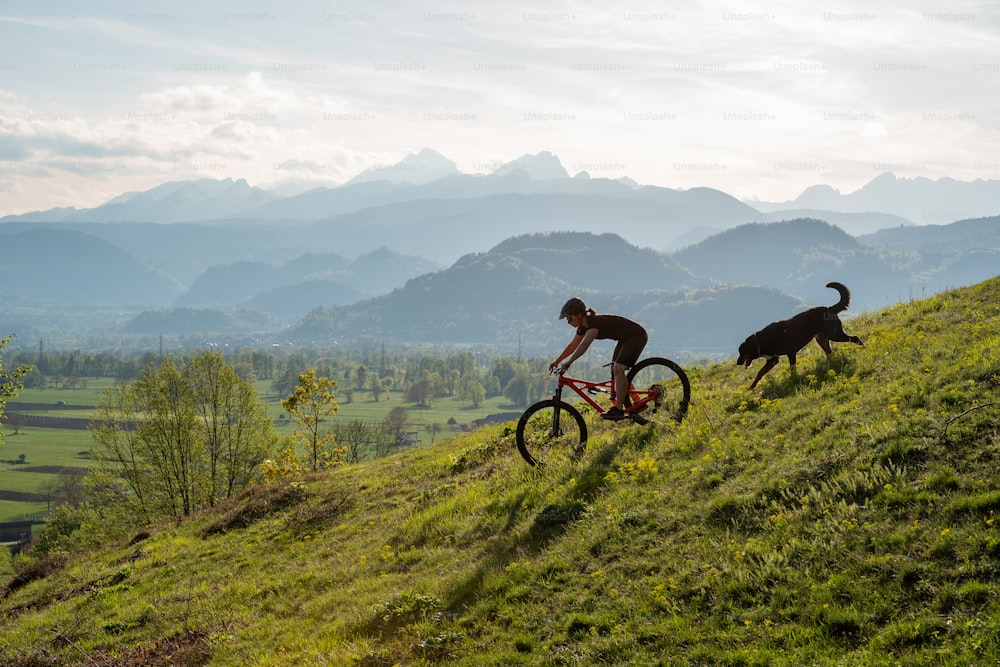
[845,298]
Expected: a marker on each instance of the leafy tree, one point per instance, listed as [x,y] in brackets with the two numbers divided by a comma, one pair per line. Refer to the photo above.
[378,387]
[10,380]
[309,404]
[237,425]
[504,369]
[121,456]
[434,428]
[175,440]
[396,419]
[394,427]
[517,390]
[424,388]
[471,389]
[451,380]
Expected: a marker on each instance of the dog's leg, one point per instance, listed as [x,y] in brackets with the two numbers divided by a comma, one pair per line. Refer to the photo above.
[792,369]
[838,335]
[824,343]
[768,365]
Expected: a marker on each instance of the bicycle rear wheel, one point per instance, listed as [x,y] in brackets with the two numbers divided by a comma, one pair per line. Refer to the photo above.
[672,382]
[538,434]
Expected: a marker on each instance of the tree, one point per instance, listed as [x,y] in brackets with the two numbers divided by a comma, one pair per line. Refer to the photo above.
[434,428]
[10,380]
[237,424]
[377,386]
[361,438]
[516,390]
[121,456]
[311,401]
[470,388]
[394,426]
[176,440]
[423,388]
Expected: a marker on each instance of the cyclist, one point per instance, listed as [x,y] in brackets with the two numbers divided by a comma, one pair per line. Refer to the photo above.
[590,326]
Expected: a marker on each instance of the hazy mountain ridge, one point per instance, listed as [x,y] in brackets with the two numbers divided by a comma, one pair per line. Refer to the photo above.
[549,235]
[70,267]
[696,302]
[702,299]
[344,280]
[430,175]
[960,235]
[514,291]
[920,200]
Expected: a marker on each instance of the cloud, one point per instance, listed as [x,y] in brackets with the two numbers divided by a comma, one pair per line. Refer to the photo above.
[325,91]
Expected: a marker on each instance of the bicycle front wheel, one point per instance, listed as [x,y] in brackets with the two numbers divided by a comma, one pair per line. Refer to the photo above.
[550,429]
[670,380]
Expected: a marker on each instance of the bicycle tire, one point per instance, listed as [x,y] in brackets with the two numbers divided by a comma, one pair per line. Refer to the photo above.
[535,431]
[675,397]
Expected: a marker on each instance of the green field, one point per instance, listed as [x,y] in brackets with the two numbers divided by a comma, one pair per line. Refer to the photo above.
[53,447]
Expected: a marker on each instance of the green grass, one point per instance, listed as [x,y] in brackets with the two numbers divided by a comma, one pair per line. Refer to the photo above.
[72,396]
[46,447]
[844,516]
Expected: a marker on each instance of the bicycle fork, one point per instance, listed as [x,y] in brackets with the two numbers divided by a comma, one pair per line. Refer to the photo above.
[557,400]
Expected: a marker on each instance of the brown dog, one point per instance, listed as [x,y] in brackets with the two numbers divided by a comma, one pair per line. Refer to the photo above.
[787,337]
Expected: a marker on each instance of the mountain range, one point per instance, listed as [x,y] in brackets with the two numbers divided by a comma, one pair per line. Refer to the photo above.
[918,200]
[419,252]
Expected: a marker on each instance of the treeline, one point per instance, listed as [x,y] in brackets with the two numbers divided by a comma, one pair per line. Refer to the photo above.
[418,377]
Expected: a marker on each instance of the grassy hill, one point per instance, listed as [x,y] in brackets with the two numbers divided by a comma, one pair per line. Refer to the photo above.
[847,515]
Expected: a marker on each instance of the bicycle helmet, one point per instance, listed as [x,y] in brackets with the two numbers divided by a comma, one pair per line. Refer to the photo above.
[572,307]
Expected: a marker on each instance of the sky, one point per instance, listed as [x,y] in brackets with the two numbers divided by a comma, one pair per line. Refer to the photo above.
[758,99]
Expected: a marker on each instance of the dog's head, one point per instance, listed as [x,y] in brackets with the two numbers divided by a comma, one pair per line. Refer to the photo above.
[748,351]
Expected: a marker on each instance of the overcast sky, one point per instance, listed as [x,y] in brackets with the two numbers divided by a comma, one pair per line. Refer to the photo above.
[759,99]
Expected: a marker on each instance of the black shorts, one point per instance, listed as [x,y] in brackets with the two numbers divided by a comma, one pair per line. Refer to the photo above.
[627,351]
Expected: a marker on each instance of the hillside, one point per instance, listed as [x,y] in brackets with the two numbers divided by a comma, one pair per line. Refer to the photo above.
[843,516]
[513,292]
[65,267]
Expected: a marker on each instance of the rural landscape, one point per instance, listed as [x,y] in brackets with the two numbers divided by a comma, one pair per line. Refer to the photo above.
[841,514]
[299,447]
[404,334]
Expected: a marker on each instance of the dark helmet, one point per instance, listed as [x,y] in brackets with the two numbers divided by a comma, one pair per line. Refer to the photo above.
[572,307]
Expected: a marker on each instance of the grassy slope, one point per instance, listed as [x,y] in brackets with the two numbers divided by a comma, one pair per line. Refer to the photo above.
[845,516]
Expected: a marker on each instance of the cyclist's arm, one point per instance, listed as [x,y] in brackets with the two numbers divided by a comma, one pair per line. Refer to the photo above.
[579,347]
[568,351]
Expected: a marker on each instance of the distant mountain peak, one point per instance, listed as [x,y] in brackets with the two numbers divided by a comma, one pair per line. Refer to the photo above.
[416,169]
[543,166]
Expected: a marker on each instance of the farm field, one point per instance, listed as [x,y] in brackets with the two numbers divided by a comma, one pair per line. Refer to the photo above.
[31,455]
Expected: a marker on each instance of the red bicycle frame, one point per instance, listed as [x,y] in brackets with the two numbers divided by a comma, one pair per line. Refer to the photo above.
[586,389]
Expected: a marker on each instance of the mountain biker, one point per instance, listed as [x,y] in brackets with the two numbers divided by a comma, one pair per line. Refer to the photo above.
[590,326]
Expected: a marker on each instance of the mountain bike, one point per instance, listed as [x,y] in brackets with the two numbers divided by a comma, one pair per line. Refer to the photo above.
[659,391]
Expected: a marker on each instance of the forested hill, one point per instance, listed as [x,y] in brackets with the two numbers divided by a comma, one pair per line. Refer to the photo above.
[698,302]
[845,515]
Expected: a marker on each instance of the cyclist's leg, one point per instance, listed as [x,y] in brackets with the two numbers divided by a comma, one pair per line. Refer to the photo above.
[625,356]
